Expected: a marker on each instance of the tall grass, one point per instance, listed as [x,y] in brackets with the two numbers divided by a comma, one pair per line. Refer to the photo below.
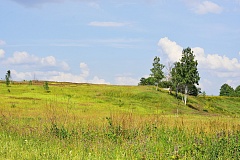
[119,136]
[110,122]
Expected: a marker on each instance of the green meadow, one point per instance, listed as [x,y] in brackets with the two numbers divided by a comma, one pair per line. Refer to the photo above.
[86,121]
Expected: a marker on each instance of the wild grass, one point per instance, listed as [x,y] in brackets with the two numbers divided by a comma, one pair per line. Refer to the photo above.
[114,122]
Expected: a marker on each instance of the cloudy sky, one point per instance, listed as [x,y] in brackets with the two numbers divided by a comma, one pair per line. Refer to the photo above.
[115,41]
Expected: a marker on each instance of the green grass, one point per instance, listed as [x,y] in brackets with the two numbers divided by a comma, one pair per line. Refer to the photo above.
[84,121]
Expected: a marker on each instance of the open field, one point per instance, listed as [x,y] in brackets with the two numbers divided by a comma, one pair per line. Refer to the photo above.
[84,121]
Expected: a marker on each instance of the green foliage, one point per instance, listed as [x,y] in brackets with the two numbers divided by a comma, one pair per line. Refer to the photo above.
[45,86]
[185,72]
[226,90]
[60,132]
[165,84]
[188,71]
[237,91]
[30,82]
[7,77]
[193,90]
[157,72]
[147,81]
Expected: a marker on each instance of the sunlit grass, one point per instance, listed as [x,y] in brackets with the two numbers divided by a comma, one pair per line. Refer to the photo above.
[85,121]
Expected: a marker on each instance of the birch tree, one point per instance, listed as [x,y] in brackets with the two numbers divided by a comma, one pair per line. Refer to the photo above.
[185,72]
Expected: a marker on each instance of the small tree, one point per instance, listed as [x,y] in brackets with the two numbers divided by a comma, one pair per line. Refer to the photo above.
[45,86]
[226,90]
[7,77]
[157,72]
[147,81]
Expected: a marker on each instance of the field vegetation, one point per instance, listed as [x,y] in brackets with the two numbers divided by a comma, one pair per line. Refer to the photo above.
[86,121]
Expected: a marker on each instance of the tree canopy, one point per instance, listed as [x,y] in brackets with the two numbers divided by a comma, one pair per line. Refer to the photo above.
[156,74]
[185,72]
[8,77]
[237,91]
[227,90]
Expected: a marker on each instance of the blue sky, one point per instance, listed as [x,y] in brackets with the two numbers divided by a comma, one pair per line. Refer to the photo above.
[115,42]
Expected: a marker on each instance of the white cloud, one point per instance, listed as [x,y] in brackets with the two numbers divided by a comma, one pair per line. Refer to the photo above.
[22,58]
[208,7]
[215,61]
[21,75]
[64,66]
[84,69]
[25,59]
[2,53]
[55,76]
[171,48]
[126,80]
[203,7]
[233,83]
[221,65]
[2,42]
[107,24]
[48,61]
[66,77]
[205,84]
[97,80]
[48,75]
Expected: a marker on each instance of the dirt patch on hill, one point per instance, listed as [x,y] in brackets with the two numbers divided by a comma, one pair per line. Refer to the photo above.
[24,98]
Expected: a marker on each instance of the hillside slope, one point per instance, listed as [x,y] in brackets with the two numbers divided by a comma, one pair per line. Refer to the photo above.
[103,99]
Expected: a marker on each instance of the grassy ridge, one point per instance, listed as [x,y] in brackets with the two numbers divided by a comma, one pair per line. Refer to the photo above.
[84,121]
[138,99]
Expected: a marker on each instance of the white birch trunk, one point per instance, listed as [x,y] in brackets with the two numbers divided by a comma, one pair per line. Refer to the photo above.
[185,95]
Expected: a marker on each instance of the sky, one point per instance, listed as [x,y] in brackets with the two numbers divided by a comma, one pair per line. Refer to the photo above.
[115,41]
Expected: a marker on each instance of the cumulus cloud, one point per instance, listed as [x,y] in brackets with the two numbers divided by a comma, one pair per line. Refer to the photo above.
[233,83]
[126,79]
[203,7]
[84,69]
[171,48]
[28,60]
[59,76]
[97,80]
[215,61]
[2,53]
[20,58]
[47,75]
[48,61]
[219,64]
[107,24]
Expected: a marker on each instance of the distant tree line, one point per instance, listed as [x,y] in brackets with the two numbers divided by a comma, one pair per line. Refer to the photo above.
[183,76]
[227,90]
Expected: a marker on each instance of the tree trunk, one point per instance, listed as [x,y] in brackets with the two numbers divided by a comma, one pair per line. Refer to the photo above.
[185,94]
[177,91]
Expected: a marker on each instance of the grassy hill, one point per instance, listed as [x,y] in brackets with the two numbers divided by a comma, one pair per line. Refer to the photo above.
[86,121]
[109,98]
